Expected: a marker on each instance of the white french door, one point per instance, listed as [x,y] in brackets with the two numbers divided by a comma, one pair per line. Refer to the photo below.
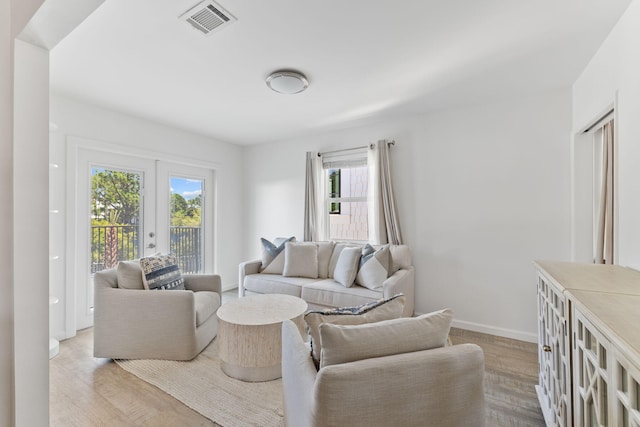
[129,207]
[115,218]
[185,215]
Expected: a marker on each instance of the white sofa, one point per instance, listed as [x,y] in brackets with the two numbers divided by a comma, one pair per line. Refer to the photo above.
[323,292]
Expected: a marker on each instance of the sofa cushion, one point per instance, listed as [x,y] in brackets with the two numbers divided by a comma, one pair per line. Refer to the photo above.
[372,312]
[329,293]
[325,249]
[335,255]
[347,266]
[400,257]
[161,273]
[374,267]
[207,303]
[301,260]
[275,284]
[273,255]
[348,343]
[130,275]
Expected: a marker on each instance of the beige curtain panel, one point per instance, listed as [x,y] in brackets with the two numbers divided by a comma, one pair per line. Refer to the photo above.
[383,211]
[604,243]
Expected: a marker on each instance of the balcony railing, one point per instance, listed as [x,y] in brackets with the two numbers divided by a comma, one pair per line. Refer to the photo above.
[113,243]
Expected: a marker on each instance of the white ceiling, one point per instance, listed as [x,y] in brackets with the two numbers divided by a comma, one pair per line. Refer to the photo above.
[365,59]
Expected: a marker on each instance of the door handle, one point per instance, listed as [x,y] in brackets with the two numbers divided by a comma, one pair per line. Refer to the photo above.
[151,245]
[546,348]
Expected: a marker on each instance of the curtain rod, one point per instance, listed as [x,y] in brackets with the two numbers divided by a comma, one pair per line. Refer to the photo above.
[600,121]
[370,146]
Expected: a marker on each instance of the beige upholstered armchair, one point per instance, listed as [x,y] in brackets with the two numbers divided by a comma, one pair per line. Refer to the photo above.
[152,324]
[437,387]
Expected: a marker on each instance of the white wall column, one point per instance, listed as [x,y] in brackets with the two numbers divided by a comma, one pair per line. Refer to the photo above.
[31,234]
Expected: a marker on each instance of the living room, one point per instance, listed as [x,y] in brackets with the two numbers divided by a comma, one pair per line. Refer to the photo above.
[484,186]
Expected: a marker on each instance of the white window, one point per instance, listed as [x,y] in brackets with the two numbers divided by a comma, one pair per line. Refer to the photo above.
[346,176]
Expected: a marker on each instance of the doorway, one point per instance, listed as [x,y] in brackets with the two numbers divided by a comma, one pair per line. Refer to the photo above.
[129,207]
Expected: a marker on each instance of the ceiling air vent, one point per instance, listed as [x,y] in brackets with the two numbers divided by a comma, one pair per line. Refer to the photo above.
[208,16]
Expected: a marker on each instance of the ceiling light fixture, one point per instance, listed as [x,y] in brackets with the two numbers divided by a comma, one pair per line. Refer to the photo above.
[287,82]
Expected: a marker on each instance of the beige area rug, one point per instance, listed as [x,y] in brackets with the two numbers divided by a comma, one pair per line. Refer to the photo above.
[201,385]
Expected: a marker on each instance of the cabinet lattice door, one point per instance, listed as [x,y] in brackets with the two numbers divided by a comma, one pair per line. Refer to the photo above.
[626,399]
[553,355]
[592,371]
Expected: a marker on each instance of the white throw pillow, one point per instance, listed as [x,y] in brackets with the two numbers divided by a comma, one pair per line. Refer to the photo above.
[300,260]
[325,249]
[347,266]
[400,258]
[348,343]
[383,309]
[374,267]
[130,275]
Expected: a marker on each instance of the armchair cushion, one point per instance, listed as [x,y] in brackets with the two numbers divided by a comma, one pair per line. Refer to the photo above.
[130,275]
[206,305]
[373,312]
[348,343]
[161,272]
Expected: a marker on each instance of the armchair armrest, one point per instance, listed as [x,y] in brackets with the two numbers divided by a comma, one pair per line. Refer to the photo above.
[203,282]
[143,315]
[246,268]
[429,388]
[298,376]
[402,281]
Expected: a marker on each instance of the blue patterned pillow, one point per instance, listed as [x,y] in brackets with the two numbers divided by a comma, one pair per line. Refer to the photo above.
[273,255]
[374,267]
[161,272]
[375,311]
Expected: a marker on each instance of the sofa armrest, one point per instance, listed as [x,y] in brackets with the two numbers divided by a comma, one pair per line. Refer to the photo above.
[429,388]
[402,281]
[298,376]
[203,282]
[244,269]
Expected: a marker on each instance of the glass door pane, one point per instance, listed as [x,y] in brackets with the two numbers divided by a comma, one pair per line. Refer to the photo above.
[186,224]
[115,217]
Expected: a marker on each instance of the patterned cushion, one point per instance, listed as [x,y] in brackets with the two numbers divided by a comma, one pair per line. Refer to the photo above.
[300,260]
[348,343]
[273,255]
[374,267]
[347,266]
[161,272]
[383,309]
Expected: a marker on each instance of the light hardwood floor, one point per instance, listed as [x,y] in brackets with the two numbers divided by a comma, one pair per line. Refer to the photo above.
[86,391]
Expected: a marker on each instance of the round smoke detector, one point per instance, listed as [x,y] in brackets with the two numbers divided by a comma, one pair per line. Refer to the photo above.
[287,82]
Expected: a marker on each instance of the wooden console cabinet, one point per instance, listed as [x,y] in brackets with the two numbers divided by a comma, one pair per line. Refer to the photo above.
[589,344]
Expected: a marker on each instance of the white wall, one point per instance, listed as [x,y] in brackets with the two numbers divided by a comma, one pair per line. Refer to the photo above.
[615,72]
[482,192]
[6,217]
[137,135]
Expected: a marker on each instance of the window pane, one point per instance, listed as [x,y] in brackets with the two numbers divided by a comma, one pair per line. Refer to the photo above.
[351,223]
[185,230]
[348,211]
[115,217]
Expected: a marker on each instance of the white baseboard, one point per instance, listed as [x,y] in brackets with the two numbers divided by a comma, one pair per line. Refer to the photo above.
[494,330]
